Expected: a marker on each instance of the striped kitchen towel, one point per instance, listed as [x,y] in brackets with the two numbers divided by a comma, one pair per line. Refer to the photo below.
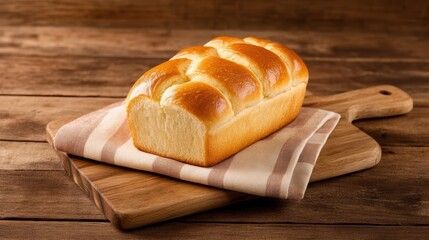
[279,165]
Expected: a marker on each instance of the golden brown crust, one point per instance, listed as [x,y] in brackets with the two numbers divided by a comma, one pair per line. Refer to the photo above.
[239,84]
[223,42]
[275,75]
[297,67]
[154,82]
[257,41]
[197,52]
[295,64]
[217,99]
[202,100]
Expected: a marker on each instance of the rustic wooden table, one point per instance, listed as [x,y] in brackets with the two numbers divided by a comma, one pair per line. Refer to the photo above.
[63,58]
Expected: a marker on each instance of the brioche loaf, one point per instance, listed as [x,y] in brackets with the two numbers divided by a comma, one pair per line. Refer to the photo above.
[209,102]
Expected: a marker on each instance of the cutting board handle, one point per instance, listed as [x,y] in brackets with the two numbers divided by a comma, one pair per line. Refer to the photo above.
[372,102]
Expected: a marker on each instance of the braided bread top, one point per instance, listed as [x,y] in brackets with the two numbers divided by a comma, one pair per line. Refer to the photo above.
[227,75]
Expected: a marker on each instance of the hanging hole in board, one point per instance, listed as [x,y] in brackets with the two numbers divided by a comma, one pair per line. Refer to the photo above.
[385,92]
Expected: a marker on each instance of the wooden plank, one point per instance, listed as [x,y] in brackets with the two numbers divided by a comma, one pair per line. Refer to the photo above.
[177,230]
[28,156]
[344,76]
[71,76]
[113,77]
[162,43]
[408,130]
[43,195]
[381,15]
[394,192]
[25,118]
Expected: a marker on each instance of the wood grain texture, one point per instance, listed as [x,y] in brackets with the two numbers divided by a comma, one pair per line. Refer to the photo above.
[43,195]
[332,77]
[71,76]
[373,102]
[28,156]
[162,43]
[25,118]
[380,15]
[347,150]
[408,130]
[174,230]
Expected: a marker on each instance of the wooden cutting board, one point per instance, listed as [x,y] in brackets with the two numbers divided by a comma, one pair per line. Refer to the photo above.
[131,198]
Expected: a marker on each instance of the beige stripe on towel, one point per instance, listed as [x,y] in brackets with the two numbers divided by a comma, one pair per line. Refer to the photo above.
[121,136]
[100,135]
[80,129]
[289,154]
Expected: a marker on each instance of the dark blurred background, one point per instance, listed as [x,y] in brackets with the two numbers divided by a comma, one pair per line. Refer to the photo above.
[329,15]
